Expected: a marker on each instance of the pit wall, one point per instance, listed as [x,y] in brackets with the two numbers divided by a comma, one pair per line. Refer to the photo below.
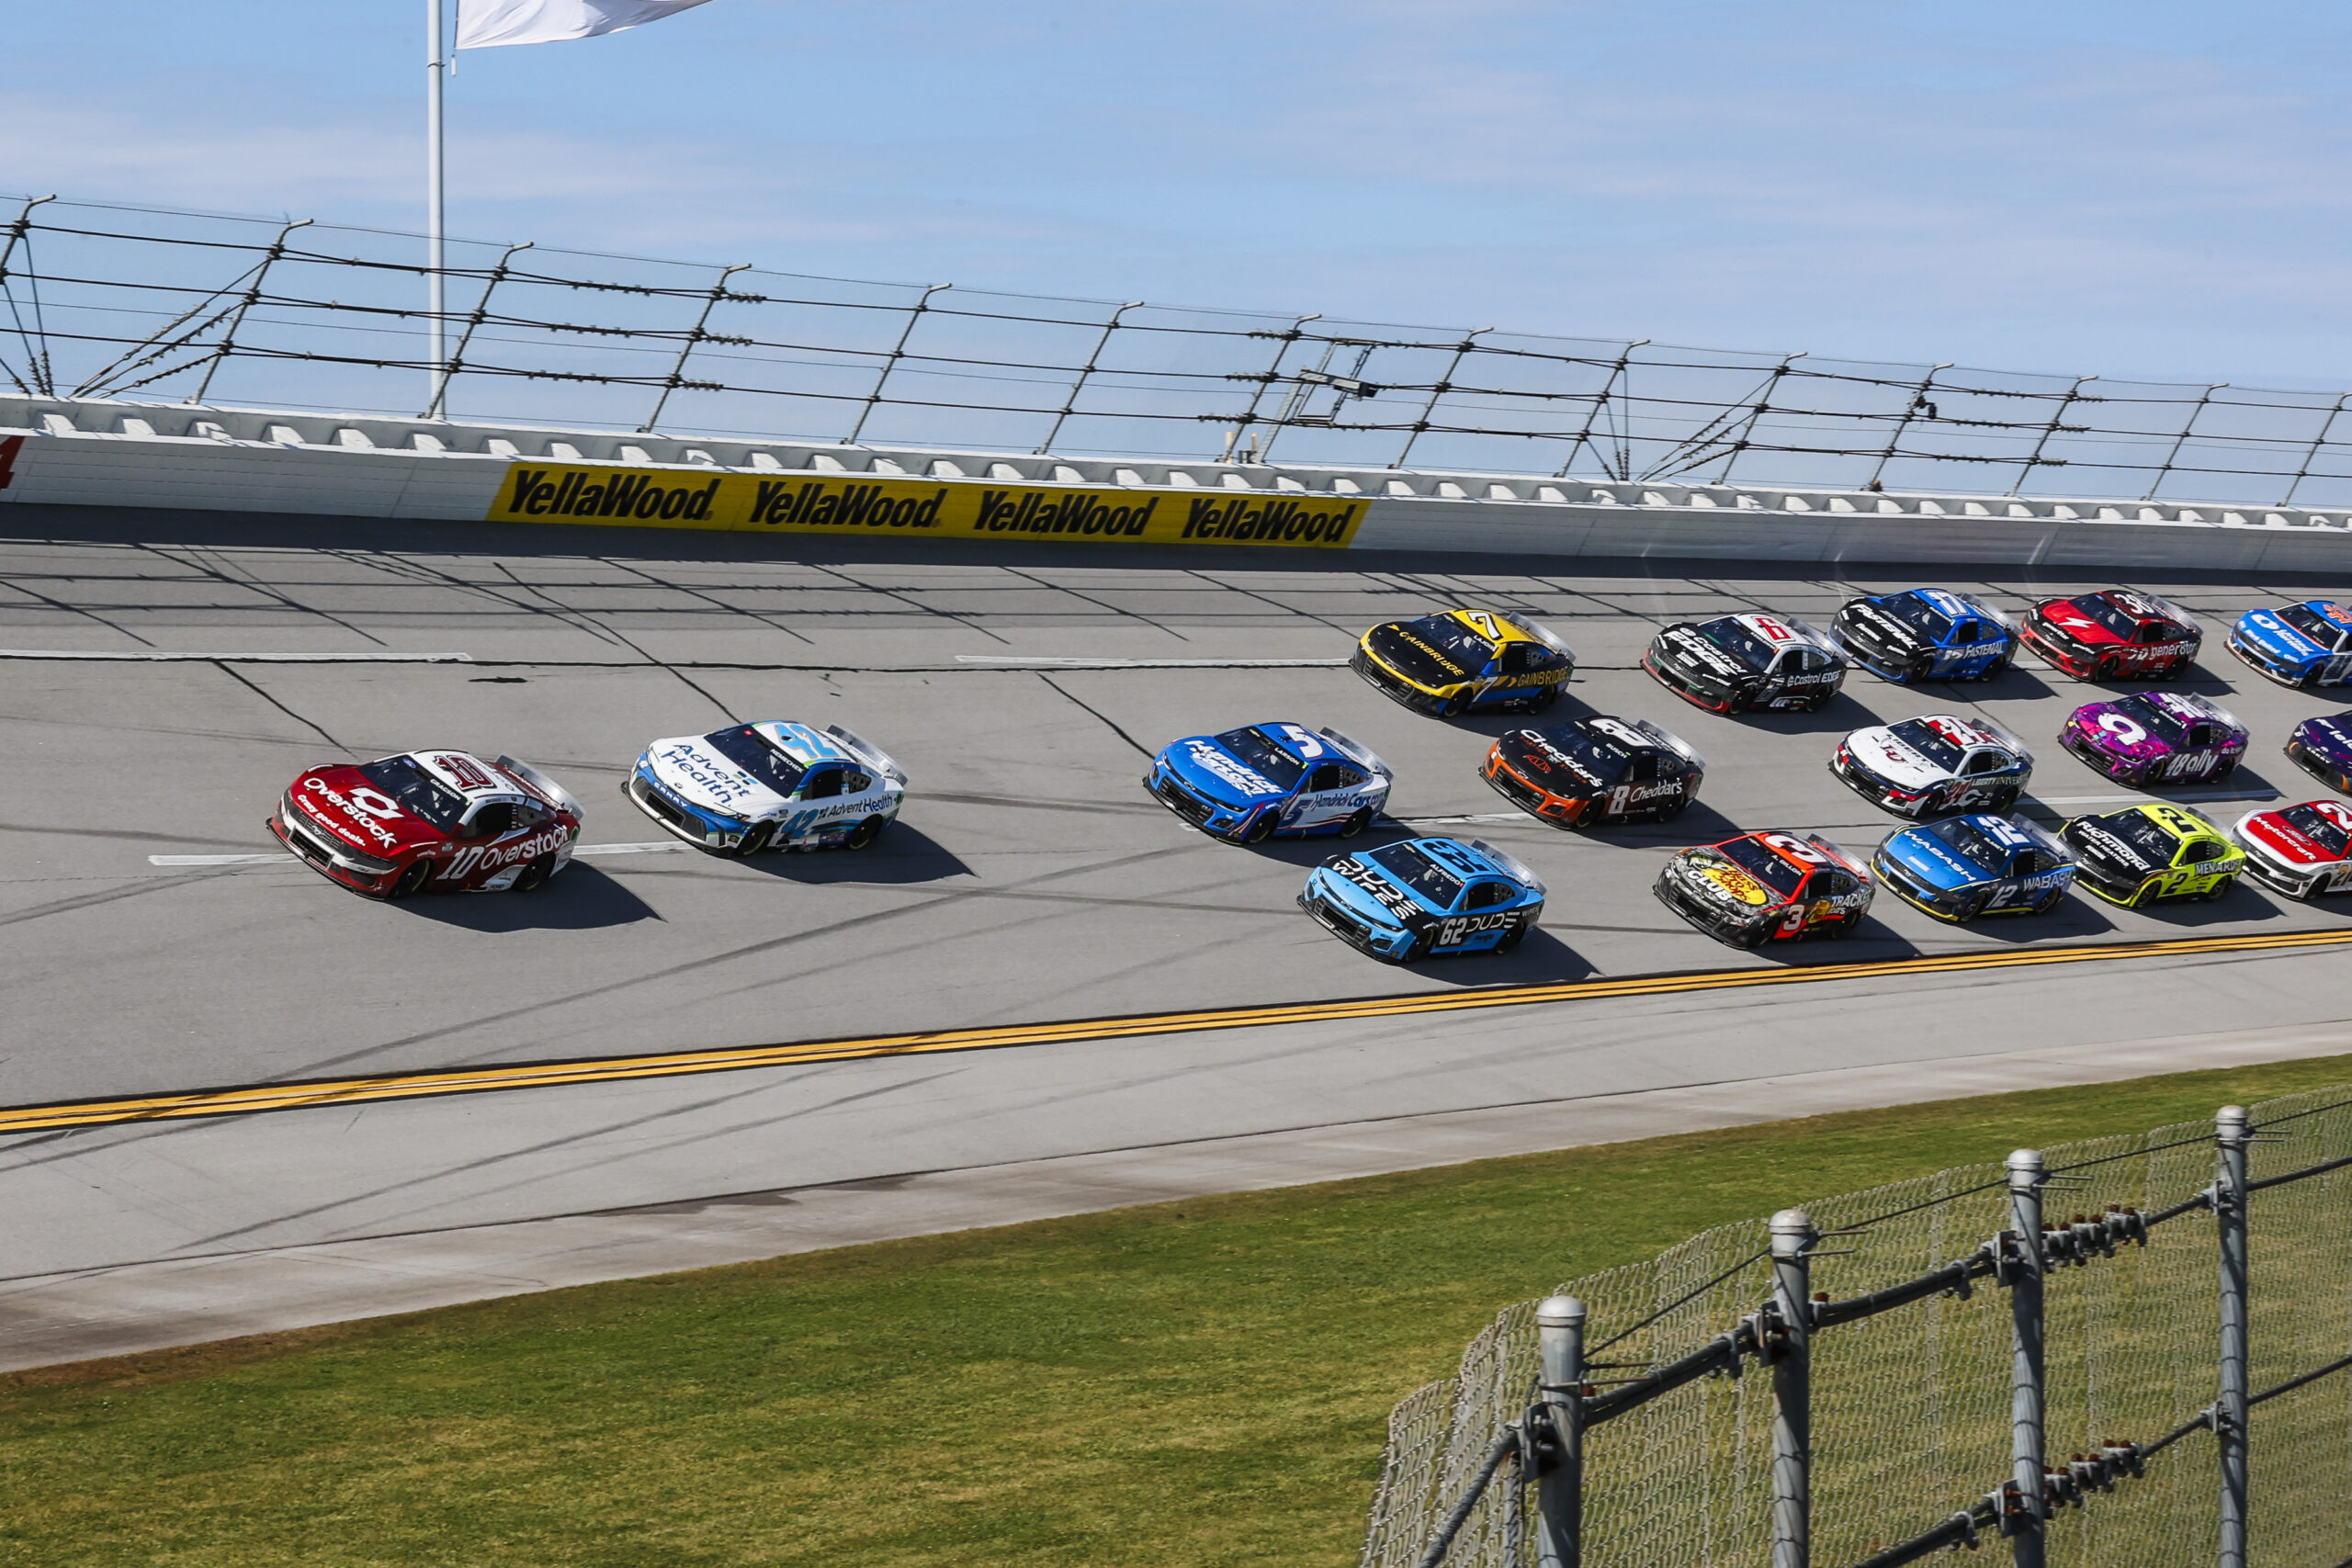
[185,457]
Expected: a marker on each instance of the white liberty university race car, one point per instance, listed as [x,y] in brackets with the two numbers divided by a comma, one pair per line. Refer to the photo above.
[769,786]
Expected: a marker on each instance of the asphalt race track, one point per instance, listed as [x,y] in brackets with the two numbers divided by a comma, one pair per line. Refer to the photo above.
[1029,879]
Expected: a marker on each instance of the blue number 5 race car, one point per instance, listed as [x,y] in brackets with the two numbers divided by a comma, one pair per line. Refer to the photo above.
[1420,896]
[1262,779]
[1965,866]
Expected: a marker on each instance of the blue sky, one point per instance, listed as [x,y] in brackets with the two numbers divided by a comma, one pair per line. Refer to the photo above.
[2149,189]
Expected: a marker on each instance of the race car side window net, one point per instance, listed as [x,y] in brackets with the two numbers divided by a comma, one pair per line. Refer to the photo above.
[1327,775]
[1486,894]
[823,784]
[496,817]
[2204,849]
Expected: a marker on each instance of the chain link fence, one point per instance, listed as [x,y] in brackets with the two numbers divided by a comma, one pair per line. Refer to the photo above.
[108,301]
[1854,1384]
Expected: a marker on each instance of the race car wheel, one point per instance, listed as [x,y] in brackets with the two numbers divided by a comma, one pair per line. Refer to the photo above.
[1456,705]
[1414,950]
[1755,936]
[2225,770]
[1921,668]
[1543,699]
[1995,669]
[411,881]
[1672,808]
[2105,670]
[864,833]
[2049,900]
[1512,938]
[535,873]
[1356,823]
[1816,704]
[756,840]
[1846,926]
[2219,891]
[1260,828]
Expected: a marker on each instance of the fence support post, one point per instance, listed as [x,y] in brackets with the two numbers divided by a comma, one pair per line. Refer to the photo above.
[455,362]
[1793,1239]
[1559,1494]
[1444,385]
[897,351]
[1086,372]
[252,293]
[2027,1455]
[2230,1195]
[693,336]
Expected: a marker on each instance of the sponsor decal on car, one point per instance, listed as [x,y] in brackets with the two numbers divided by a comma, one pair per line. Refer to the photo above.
[1734,883]
[961,509]
[1393,898]
[488,857]
[1248,779]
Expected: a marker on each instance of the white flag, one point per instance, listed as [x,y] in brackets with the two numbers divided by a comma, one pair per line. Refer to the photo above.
[482,24]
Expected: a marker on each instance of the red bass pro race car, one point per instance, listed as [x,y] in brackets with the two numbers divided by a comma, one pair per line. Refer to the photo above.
[437,821]
[2117,634]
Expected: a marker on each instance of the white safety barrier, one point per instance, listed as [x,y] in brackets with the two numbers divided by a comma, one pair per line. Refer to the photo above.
[187,457]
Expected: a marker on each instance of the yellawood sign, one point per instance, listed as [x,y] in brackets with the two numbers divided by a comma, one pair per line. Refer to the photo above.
[961,509]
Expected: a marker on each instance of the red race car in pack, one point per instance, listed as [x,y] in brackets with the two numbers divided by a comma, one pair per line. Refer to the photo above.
[429,821]
[1775,885]
[2116,634]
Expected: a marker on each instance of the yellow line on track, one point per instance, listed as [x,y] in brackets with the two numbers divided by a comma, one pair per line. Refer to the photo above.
[476,1080]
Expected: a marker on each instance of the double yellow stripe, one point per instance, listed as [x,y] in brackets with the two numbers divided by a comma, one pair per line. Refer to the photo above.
[476,1080]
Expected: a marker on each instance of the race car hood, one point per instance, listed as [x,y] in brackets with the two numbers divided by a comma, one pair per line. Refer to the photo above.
[686,765]
[1693,653]
[2109,729]
[341,800]
[2330,738]
[2087,836]
[1864,616]
[2269,834]
[1532,756]
[1215,773]
[2062,614]
[1368,890]
[1892,758]
[2266,631]
[1396,645]
[1714,877]
[1923,853]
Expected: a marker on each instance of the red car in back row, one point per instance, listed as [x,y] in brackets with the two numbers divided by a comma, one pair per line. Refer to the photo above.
[2116,634]
[437,821]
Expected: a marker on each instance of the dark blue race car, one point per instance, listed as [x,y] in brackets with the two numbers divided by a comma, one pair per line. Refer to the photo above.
[1965,866]
[2322,747]
[2308,644]
[1925,634]
[1249,784]
[1422,897]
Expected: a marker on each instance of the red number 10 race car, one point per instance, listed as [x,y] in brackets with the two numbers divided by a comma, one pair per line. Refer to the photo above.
[438,821]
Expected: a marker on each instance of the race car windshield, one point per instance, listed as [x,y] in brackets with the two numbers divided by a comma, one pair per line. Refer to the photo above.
[1420,872]
[1918,734]
[2311,624]
[1764,865]
[1977,845]
[1919,616]
[2156,845]
[1262,754]
[2096,607]
[744,746]
[1605,758]
[2319,828]
[2158,722]
[1455,640]
[1739,642]
[405,780]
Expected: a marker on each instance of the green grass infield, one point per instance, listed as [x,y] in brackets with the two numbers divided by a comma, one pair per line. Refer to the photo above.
[1188,1384]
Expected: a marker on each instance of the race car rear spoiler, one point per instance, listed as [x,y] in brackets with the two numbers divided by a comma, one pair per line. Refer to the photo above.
[1358,754]
[554,793]
[1837,853]
[868,752]
[1509,863]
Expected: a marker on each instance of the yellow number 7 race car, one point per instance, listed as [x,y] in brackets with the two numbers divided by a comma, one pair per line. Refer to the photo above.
[1457,659]
[2143,853]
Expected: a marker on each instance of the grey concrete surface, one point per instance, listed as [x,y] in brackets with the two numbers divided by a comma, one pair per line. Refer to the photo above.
[1029,879]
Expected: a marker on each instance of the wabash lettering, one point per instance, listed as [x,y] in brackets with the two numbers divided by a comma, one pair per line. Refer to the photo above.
[1290,522]
[1032,514]
[818,505]
[579,494]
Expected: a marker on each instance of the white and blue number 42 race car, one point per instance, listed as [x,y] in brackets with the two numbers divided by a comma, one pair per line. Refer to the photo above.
[770,785]
[1262,779]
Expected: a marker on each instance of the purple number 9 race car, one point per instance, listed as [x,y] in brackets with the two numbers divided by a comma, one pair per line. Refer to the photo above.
[2156,737]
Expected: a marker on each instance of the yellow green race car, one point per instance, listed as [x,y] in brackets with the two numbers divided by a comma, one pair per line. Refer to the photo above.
[1459,659]
[2140,854]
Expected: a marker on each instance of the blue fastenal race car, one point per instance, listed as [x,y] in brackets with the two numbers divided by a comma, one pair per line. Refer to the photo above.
[2308,644]
[1926,634]
[1249,784]
[1421,896]
[1965,866]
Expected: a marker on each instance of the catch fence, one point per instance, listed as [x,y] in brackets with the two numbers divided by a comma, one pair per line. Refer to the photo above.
[2130,1351]
[109,301]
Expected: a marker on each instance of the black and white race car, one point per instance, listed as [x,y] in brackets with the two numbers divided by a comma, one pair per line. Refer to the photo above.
[1739,663]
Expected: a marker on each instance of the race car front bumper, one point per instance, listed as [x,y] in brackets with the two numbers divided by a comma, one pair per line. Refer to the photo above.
[1713,699]
[1394,685]
[1373,941]
[361,873]
[2265,664]
[2076,661]
[2336,779]
[1879,792]
[1552,808]
[679,822]
[1703,913]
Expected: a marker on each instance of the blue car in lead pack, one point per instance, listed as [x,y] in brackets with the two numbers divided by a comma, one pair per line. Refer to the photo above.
[1925,634]
[2308,644]
[1965,866]
[1249,784]
[1417,897]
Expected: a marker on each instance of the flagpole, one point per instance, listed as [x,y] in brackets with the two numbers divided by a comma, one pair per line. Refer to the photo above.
[436,67]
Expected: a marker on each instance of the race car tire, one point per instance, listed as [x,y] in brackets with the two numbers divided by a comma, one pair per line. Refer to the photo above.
[2105,670]
[1815,705]
[2141,896]
[864,833]
[1672,808]
[1260,828]
[1846,926]
[411,881]
[1456,705]
[1921,668]
[756,840]
[2225,770]
[1754,936]
[1995,669]
[2049,900]
[535,874]
[1415,950]
[1356,823]
[2219,891]
[1512,938]
[1541,701]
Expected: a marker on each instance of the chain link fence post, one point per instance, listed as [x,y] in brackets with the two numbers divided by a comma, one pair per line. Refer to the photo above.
[2028,1471]
[1793,1239]
[1559,1494]
[2230,1196]
[228,345]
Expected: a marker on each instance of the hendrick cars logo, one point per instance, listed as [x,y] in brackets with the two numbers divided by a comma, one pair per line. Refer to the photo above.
[1248,781]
